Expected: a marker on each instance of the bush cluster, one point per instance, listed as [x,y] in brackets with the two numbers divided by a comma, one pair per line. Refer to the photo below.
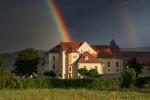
[128,78]
[97,83]
[143,82]
[8,80]
[105,83]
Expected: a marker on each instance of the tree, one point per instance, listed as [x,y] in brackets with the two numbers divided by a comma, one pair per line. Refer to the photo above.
[83,71]
[93,72]
[50,73]
[27,61]
[128,77]
[133,63]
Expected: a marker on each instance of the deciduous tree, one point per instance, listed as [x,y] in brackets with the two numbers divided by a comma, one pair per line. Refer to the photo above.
[27,61]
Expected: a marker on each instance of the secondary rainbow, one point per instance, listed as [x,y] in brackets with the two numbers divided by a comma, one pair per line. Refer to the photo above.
[60,24]
[128,28]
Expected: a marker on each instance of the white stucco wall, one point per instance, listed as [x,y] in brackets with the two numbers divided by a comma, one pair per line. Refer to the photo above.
[86,47]
[113,68]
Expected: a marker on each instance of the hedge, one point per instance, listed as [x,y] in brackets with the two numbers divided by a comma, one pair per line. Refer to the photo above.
[97,83]
[105,83]
[143,82]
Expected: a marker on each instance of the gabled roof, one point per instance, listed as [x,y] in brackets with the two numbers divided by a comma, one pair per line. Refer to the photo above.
[67,45]
[72,50]
[97,48]
[90,58]
[106,51]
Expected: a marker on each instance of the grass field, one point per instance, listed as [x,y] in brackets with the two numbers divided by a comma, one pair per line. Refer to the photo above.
[73,94]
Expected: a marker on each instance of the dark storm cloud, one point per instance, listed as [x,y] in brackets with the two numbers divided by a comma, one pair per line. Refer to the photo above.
[26,23]
[103,20]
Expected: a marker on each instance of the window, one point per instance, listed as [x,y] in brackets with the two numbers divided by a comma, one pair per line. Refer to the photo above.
[86,58]
[53,58]
[108,64]
[117,70]
[117,64]
[70,68]
[102,63]
[96,67]
[53,66]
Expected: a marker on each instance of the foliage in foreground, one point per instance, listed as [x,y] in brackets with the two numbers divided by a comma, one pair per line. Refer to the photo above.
[8,80]
[133,63]
[128,77]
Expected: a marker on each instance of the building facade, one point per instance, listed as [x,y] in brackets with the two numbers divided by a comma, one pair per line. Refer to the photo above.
[67,57]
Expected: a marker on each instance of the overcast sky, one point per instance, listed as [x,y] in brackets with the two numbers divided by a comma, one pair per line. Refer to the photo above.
[28,23]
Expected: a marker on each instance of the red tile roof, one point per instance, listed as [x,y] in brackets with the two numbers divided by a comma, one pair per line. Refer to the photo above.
[72,50]
[66,45]
[106,51]
[98,48]
[70,46]
[91,58]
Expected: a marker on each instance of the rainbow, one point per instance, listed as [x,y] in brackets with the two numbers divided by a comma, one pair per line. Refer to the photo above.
[128,28]
[58,20]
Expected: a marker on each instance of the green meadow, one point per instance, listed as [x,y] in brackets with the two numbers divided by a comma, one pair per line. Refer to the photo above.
[74,94]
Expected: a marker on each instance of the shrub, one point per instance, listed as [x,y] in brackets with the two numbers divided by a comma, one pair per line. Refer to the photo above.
[36,83]
[93,73]
[50,73]
[8,80]
[83,71]
[128,77]
[105,83]
[143,82]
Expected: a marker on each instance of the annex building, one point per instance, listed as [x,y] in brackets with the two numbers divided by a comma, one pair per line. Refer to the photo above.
[67,57]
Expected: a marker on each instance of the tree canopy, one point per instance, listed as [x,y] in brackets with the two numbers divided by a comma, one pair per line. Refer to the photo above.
[133,63]
[27,61]
[83,71]
[128,77]
[93,72]
[90,73]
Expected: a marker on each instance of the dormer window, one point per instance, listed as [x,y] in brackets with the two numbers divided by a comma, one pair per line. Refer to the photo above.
[86,58]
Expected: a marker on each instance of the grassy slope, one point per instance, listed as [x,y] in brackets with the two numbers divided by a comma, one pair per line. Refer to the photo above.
[72,94]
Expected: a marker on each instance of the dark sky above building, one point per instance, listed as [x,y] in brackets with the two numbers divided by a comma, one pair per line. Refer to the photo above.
[27,23]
